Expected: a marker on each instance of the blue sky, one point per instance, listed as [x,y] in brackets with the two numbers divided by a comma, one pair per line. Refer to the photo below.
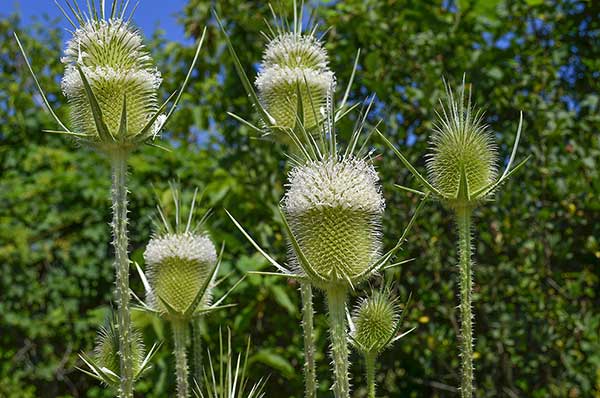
[151,14]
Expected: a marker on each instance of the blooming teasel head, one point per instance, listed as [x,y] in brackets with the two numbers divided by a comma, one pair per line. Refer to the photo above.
[104,365]
[462,164]
[375,322]
[110,80]
[181,265]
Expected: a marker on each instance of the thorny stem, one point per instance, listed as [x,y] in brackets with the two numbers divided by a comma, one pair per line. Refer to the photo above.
[119,226]
[310,378]
[370,365]
[181,366]
[197,349]
[336,298]
[463,218]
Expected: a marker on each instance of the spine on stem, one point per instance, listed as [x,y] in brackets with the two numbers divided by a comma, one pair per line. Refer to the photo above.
[119,225]
[181,365]
[310,377]
[336,298]
[463,217]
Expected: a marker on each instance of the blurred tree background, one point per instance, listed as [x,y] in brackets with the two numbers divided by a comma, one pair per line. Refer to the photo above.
[538,255]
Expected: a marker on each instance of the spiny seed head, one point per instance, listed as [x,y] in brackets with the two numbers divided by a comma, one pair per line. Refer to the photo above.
[106,352]
[112,57]
[334,207]
[461,143]
[178,267]
[375,319]
[295,62]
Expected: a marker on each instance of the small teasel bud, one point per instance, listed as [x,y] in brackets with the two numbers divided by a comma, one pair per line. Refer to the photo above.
[375,320]
[106,352]
[334,208]
[108,57]
[463,157]
[179,265]
[295,63]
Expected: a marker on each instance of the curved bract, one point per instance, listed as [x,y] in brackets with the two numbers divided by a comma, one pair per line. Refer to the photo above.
[334,209]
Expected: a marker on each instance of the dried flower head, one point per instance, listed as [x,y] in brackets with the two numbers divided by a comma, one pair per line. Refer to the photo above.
[295,64]
[334,209]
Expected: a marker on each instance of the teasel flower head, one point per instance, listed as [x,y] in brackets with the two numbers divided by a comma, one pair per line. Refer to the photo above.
[103,363]
[334,208]
[181,264]
[463,158]
[295,82]
[375,322]
[111,82]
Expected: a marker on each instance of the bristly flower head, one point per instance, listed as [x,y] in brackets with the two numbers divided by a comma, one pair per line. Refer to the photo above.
[181,265]
[462,148]
[104,364]
[295,63]
[375,321]
[110,80]
[463,158]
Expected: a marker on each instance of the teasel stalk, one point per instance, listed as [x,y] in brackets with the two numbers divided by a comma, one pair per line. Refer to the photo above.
[111,85]
[294,89]
[181,268]
[462,171]
[374,326]
[332,213]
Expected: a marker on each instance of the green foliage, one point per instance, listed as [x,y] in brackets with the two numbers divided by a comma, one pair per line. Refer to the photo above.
[536,296]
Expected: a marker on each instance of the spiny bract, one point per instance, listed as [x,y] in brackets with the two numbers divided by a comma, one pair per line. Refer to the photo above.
[112,57]
[461,143]
[375,319]
[178,267]
[291,62]
[334,207]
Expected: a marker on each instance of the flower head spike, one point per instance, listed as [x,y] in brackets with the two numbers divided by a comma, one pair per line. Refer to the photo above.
[181,263]
[334,209]
[462,163]
[110,80]
[104,365]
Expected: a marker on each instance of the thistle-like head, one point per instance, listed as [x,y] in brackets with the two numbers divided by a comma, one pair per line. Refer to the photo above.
[295,64]
[375,320]
[463,157]
[181,264]
[111,84]
[104,363]
[334,208]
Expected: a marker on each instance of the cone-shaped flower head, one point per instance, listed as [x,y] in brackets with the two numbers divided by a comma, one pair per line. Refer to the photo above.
[334,207]
[179,266]
[108,57]
[295,63]
[106,352]
[375,320]
[463,154]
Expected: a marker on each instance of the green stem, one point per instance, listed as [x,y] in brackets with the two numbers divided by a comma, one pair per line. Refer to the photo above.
[336,298]
[310,378]
[197,349]
[181,365]
[370,365]
[119,226]
[463,217]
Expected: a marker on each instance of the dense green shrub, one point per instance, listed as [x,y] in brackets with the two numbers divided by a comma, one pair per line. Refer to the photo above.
[536,295]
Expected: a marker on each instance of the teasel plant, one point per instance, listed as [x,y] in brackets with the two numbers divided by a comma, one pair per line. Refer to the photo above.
[181,269]
[226,376]
[104,364]
[111,85]
[375,325]
[462,174]
[332,213]
[292,95]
